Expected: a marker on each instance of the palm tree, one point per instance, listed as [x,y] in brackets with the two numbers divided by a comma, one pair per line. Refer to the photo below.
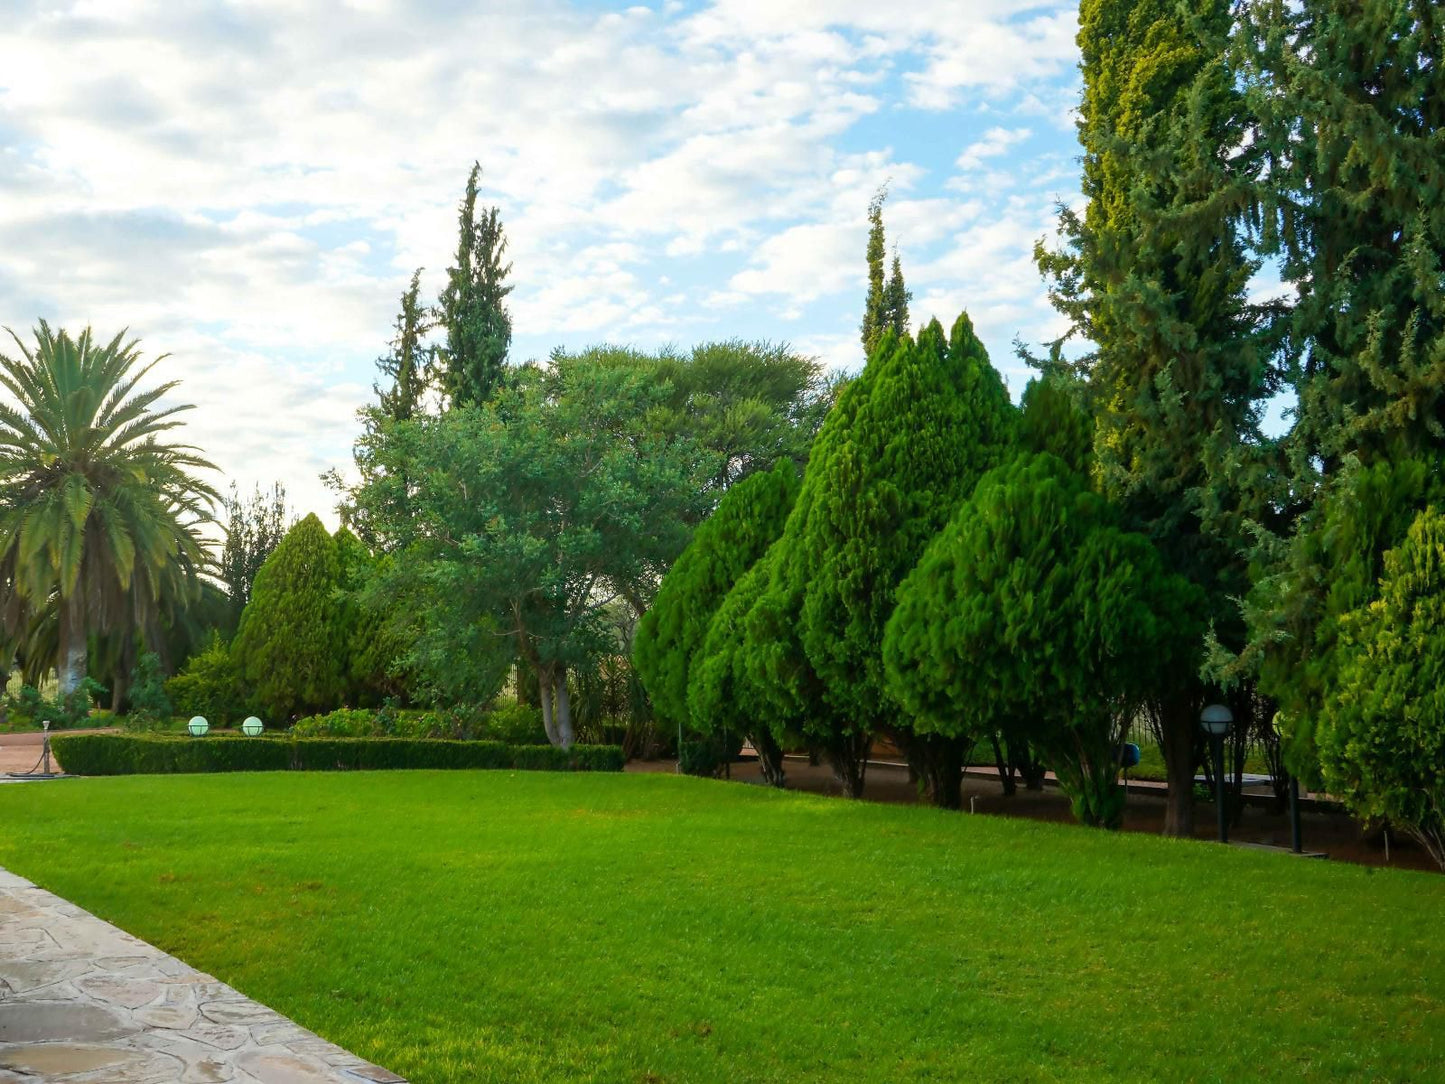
[99,512]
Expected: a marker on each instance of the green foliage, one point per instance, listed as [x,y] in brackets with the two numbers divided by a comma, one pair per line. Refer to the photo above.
[254,528]
[722,698]
[124,754]
[1381,731]
[1154,274]
[27,705]
[749,404]
[747,521]
[886,306]
[408,368]
[1032,614]
[538,510]
[210,686]
[906,443]
[514,723]
[473,309]
[1054,419]
[287,650]
[99,510]
[149,703]
[1349,102]
[1351,110]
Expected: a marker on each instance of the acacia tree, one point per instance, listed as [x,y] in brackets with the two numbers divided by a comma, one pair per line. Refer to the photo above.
[746,522]
[100,512]
[1033,614]
[1154,275]
[531,515]
[287,649]
[903,447]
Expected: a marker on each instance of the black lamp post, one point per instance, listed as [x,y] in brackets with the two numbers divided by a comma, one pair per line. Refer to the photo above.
[1215,720]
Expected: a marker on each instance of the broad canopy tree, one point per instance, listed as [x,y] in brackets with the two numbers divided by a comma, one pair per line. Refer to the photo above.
[531,514]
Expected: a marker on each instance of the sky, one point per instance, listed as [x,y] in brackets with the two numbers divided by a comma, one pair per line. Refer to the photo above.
[247,187]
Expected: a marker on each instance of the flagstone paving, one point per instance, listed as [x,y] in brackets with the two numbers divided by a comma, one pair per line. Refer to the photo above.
[82,1002]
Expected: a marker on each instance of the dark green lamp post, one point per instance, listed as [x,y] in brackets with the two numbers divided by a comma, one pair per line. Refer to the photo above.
[1215,720]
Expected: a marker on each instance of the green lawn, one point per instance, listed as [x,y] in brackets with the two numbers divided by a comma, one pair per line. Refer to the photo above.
[475,926]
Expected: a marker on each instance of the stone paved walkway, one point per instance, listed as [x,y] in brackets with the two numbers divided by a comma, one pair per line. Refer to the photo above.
[82,1002]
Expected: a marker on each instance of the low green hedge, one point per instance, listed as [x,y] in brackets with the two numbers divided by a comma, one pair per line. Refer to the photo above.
[147,754]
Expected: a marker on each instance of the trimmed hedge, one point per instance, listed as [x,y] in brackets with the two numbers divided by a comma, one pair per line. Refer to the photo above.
[145,754]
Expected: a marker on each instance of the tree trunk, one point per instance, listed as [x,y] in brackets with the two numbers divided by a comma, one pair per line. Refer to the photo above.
[73,648]
[848,754]
[564,712]
[937,762]
[1004,766]
[544,693]
[770,757]
[1178,731]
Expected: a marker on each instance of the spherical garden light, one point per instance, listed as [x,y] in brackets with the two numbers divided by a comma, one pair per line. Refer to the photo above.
[198,726]
[252,727]
[1215,721]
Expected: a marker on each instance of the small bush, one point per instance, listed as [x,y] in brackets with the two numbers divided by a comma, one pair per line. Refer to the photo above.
[149,704]
[342,723]
[515,724]
[137,754]
[209,686]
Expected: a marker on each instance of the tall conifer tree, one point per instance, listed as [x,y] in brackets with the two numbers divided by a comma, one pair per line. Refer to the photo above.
[1154,274]
[407,368]
[473,307]
[875,306]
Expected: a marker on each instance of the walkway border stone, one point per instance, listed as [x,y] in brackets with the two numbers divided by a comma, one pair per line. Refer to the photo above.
[82,1002]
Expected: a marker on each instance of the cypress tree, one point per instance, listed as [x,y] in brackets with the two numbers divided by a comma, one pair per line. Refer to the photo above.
[1031,613]
[876,317]
[722,696]
[897,295]
[746,522]
[473,304]
[407,369]
[1154,274]
[287,650]
[903,447]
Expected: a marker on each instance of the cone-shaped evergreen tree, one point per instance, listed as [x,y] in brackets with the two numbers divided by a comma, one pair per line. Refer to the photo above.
[722,696]
[1030,613]
[287,649]
[746,522]
[897,295]
[406,371]
[906,443]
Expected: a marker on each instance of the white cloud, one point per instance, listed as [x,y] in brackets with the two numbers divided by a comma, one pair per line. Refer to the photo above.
[249,187]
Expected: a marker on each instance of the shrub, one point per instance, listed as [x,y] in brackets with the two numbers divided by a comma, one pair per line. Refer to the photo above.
[342,723]
[515,724]
[149,704]
[208,685]
[136,754]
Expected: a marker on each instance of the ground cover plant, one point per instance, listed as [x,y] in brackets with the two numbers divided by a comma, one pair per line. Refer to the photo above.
[483,926]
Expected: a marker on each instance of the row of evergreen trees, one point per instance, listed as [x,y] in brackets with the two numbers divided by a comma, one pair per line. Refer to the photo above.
[1291,575]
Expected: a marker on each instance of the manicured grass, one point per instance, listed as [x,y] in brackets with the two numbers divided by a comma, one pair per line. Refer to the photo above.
[477,926]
